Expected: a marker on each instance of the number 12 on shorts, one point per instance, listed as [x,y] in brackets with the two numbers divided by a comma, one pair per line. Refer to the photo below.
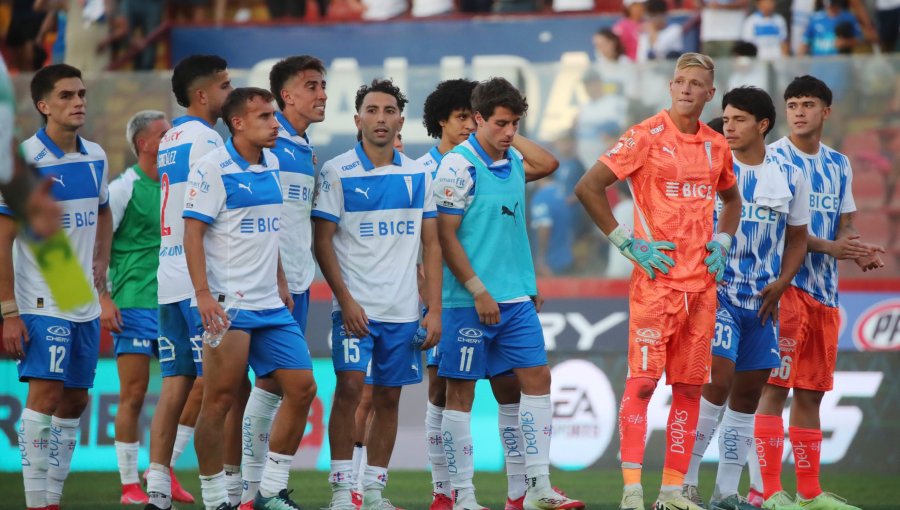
[57,354]
[466,354]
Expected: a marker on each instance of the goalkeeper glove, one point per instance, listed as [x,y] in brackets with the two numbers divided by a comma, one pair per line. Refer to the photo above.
[718,254]
[646,255]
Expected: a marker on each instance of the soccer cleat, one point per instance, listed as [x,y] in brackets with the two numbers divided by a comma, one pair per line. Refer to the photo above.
[441,502]
[780,501]
[825,501]
[132,494]
[674,501]
[467,502]
[380,504]
[282,501]
[733,502]
[515,504]
[178,493]
[224,506]
[692,494]
[341,506]
[755,498]
[356,498]
[151,506]
[549,500]
[632,499]
[52,507]
[248,505]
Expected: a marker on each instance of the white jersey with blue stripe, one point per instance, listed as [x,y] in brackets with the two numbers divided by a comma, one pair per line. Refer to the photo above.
[180,149]
[241,202]
[430,161]
[754,260]
[379,213]
[296,163]
[80,187]
[830,181]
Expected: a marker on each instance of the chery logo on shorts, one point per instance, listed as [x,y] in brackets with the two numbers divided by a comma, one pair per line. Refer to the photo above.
[787,344]
[59,331]
[471,332]
[878,328]
[647,336]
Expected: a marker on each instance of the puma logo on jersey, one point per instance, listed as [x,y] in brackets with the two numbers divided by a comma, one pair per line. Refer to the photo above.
[59,180]
[241,185]
[290,153]
[363,193]
[670,152]
[505,211]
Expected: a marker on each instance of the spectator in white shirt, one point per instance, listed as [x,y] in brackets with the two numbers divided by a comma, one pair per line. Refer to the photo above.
[766,29]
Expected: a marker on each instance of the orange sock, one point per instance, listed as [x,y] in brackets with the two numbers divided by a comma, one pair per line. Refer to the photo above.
[807,446]
[769,432]
[633,426]
[681,431]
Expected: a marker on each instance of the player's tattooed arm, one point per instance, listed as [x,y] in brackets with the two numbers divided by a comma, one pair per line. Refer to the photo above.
[730,216]
[431,262]
[538,161]
[14,330]
[458,261]
[846,244]
[356,322]
[794,254]
[102,248]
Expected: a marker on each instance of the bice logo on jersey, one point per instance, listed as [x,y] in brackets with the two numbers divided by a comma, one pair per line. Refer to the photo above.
[79,219]
[824,202]
[387,228]
[676,189]
[260,225]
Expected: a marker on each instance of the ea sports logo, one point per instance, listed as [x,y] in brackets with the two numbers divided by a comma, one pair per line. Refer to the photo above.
[878,328]
[584,414]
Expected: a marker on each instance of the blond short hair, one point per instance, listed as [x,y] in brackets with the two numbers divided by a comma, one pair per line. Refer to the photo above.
[696,60]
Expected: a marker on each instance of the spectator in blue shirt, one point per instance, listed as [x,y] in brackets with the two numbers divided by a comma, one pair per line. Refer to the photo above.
[551,221]
[821,36]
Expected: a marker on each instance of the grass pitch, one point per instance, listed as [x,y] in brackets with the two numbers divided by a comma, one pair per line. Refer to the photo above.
[412,489]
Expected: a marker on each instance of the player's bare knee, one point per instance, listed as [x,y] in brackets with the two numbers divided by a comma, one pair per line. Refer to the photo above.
[72,403]
[716,391]
[643,387]
[534,381]
[269,385]
[808,398]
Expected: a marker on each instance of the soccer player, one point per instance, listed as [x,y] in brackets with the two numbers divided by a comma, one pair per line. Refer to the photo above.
[373,210]
[768,249]
[57,350]
[134,202]
[809,316]
[200,84]
[675,165]
[232,212]
[480,194]
[298,84]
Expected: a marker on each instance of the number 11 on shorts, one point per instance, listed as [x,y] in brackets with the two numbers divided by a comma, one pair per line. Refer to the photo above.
[465,358]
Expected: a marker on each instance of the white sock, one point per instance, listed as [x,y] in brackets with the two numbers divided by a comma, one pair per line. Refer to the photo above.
[275,474]
[374,481]
[706,430]
[753,468]
[511,439]
[434,445]
[182,437]
[255,428]
[456,428]
[735,442]
[126,457]
[233,484]
[159,485]
[213,490]
[34,447]
[358,464]
[341,480]
[536,424]
[63,437]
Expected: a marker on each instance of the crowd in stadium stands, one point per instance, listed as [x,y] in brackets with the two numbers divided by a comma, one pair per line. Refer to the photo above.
[757,33]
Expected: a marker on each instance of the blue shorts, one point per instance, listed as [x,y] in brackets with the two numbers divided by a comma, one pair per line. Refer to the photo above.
[387,355]
[276,341]
[433,356]
[469,349]
[140,327]
[301,309]
[180,347]
[743,339]
[60,350]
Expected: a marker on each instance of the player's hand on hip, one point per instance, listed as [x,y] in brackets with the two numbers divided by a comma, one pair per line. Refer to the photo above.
[488,309]
[110,315]
[649,256]
[718,255]
[286,298]
[213,316]
[432,323]
[771,295]
[356,323]
[15,336]
[850,247]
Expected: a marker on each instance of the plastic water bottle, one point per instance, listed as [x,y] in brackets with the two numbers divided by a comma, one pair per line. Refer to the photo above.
[419,339]
[231,311]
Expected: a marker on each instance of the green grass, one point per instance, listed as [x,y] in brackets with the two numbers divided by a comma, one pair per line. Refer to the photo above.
[412,489]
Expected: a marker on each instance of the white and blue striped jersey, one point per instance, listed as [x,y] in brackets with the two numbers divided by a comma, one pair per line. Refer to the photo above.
[379,213]
[754,260]
[830,181]
[430,160]
[296,163]
[241,202]
[180,149]
[80,186]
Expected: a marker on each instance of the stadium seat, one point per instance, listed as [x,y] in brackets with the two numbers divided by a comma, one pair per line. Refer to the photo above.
[874,227]
[869,189]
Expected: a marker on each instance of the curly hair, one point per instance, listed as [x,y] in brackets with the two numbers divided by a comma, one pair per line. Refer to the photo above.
[449,96]
[385,86]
